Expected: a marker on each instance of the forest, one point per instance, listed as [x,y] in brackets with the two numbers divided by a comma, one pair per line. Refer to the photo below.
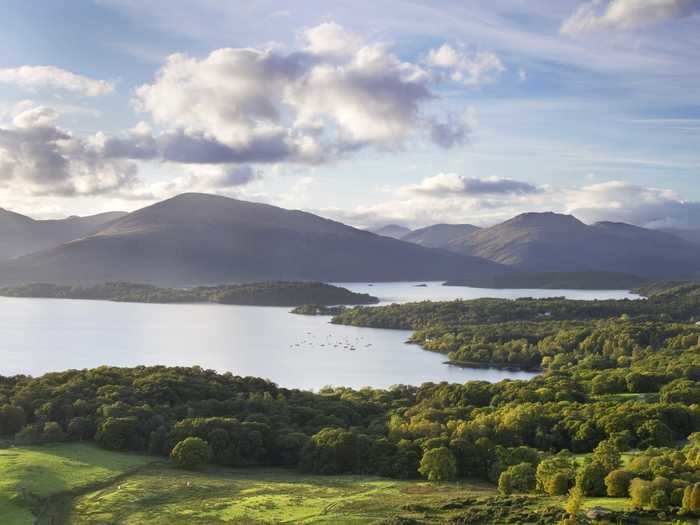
[614,413]
[268,293]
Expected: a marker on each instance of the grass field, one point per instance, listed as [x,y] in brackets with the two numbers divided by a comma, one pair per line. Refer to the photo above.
[161,495]
[90,486]
[30,474]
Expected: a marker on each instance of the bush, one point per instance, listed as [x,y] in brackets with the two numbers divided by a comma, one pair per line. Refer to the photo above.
[617,483]
[691,499]
[190,453]
[591,479]
[330,451]
[558,484]
[659,500]
[518,478]
[52,433]
[640,492]
[608,455]
[438,464]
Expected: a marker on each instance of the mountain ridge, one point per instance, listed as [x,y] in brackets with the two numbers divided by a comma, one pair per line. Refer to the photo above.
[198,238]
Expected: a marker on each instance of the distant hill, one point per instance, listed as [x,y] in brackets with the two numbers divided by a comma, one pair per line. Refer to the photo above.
[692,235]
[270,293]
[439,235]
[550,242]
[395,231]
[207,239]
[21,235]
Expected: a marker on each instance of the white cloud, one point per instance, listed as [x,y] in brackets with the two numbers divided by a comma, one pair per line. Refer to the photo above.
[452,183]
[202,178]
[331,39]
[625,14]
[38,158]
[471,69]
[337,95]
[35,77]
[451,198]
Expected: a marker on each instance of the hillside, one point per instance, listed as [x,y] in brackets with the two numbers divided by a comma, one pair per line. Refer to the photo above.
[207,239]
[21,235]
[439,235]
[550,242]
[692,234]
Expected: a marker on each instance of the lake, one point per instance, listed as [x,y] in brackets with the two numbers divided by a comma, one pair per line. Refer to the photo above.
[45,335]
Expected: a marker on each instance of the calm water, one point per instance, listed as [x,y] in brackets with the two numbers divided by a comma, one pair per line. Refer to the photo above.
[43,335]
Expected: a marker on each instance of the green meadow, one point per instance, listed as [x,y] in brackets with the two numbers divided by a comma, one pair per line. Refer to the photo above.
[80,484]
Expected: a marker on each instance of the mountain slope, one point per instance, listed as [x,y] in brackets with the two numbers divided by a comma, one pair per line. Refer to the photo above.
[550,242]
[692,235]
[395,231]
[198,239]
[20,235]
[439,235]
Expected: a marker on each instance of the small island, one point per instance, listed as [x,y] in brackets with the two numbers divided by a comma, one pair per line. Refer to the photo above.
[318,309]
[268,293]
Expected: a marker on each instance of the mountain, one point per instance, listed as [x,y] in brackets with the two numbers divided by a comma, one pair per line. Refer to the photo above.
[21,235]
[550,242]
[396,231]
[692,235]
[198,239]
[439,235]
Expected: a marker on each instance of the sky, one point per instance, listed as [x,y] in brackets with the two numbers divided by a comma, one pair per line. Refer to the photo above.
[368,112]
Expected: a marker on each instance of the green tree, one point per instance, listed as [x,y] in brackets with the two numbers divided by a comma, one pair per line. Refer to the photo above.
[438,464]
[52,433]
[330,451]
[190,453]
[640,492]
[12,419]
[549,468]
[517,478]
[591,479]
[691,499]
[659,500]
[608,455]
[617,483]
[558,484]
[574,503]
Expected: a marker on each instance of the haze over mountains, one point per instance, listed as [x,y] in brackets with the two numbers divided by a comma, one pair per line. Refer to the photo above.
[21,235]
[200,239]
[394,231]
[208,239]
[439,235]
[551,242]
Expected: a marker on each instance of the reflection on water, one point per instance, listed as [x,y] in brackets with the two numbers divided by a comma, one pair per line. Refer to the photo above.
[43,335]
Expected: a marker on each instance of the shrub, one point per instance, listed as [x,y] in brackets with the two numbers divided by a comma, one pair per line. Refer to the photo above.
[518,478]
[591,479]
[438,464]
[617,483]
[691,499]
[640,492]
[190,453]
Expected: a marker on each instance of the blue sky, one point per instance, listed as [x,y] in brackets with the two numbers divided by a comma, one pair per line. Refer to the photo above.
[369,112]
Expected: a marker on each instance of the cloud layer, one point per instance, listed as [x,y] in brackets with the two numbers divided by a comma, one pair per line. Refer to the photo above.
[451,198]
[35,77]
[336,95]
[39,158]
[626,14]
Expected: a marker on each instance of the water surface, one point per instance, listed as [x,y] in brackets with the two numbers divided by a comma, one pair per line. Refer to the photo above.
[44,335]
